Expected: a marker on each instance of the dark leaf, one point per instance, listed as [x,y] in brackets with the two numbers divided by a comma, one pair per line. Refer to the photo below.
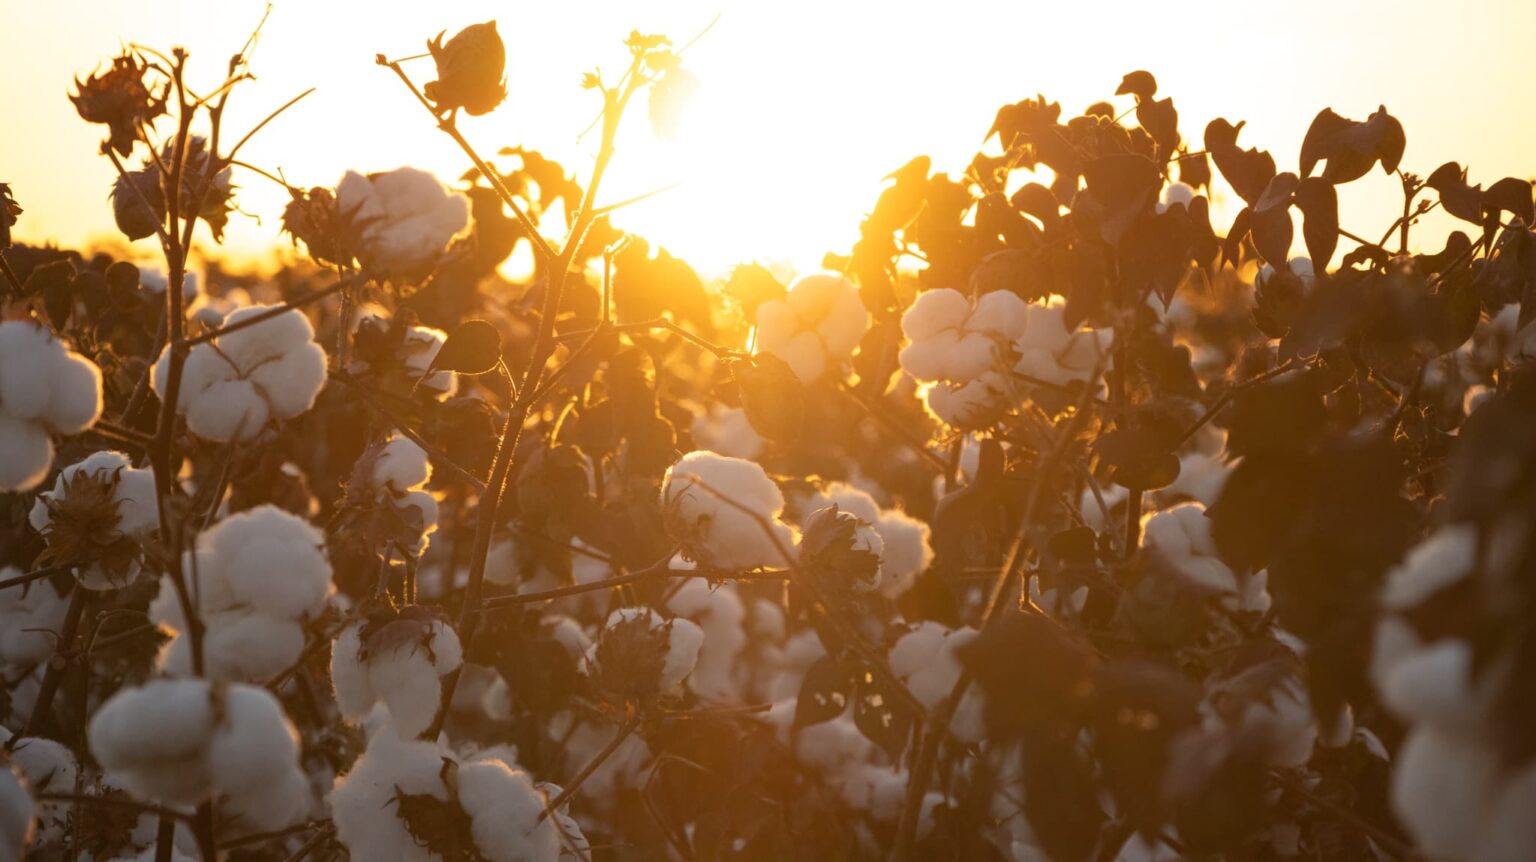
[474,347]
[1139,83]
[771,395]
[1319,205]
[880,715]
[824,692]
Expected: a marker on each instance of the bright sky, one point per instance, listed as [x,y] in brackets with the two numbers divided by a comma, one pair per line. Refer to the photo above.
[804,104]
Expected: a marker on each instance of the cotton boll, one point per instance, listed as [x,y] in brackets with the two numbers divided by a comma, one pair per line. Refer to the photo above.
[1509,832]
[719,613]
[408,685]
[1175,195]
[28,616]
[1442,787]
[349,677]
[131,501]
[726,431]
[26,453]
[718,533]
[973,405]
[1048,351]
[44,387]
[152,740]
[402,465]
[363,802]
[815,327]
[955,340]
[1181,536]
[404,219]
[925,660]
[233,386]
[253,756]
[506,813]
[47,767]
[16,821]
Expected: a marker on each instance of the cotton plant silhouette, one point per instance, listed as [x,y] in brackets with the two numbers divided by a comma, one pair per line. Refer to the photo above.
[1049,522]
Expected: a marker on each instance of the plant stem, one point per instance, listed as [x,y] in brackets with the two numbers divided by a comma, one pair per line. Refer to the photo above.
[64,651]
[629,727]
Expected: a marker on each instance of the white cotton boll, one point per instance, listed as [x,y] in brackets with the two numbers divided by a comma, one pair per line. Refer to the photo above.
[1426,682]
[235,385]
[726,431]
[253,748]
[718,533]
[152,740]
[907,551]
[1442,787]
[1284,722]
[272,561]
[954,339]
[16,822]
[1439,561]
[968,406]
[719,614]
[405,219]
[501,567]
[1301,267]
[402,465]
[241,646]
[506,813]
[424,342]
[48,767]
[29,615]
[1175,195]
[349,677]
[1048,351]
[26,453]
[1509,832]
[74,404]
[408,685]
[154,280]
[816,326]
[1181,536]
[935,311]
[363,803]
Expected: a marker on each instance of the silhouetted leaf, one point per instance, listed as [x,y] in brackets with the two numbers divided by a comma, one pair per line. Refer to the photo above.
[474,347]
[1319,205]
[824,692]
[1351,148]
[880,714]
[1248,171]
[771,395]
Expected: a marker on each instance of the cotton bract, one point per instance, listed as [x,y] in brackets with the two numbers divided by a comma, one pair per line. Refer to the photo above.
[261,574]
[45,388]
[233,387]
[641,654]
[815,327]
[402,220]
[906,550]
[179,742]
[707,499]
[103,505]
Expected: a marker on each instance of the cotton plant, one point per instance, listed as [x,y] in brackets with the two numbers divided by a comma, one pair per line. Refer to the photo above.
[46,389]
[399,222]
[261,577]
[725,512]
[238,384]
[815,327]
[181,742]
[96,519]
[397,657]
[414,801]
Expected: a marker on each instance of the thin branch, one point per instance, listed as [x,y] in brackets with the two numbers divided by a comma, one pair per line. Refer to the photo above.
[261,125]
[307,299]
[629,727]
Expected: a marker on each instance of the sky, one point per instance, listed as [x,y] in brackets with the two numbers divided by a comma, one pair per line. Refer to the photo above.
[804,105]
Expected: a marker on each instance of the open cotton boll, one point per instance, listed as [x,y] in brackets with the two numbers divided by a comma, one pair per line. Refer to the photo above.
[1443,785]
[1301,267]
[364,802]
[953,338]
[720,614]
[970,406]
[398,658]
[401,471]
[815,327]
[154,280]
[1049,351]
[16,808]
[906,552]
[925,660]
[103,505]
[261,574]
[45,388]
[1175,195]
[1181,536]
[505,810]
[719,534]
[181,741]
[726,431]
[640,654]
[47,767]
[29,615]
[402,220]
[421,345]
[235,385]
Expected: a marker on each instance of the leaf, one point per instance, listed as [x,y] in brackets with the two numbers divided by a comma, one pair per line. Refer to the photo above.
[1139,83]
[1161,120]
[1319,204]
[824,692]
[880,715]
[771,395]
[1350,148]
[474,347]
[1141,461]
[49,277]
[1271,226]
[1248,171]
[1124,185]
